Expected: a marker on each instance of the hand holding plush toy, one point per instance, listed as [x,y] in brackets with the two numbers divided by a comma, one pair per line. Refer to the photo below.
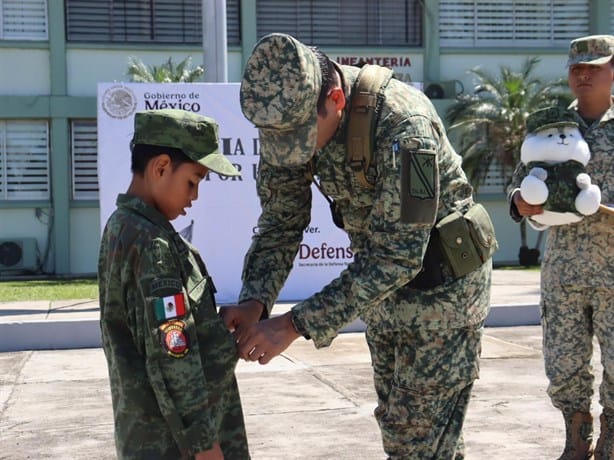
[556,155]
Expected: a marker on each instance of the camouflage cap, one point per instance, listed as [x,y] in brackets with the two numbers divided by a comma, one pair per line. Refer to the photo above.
[196,135]
[594,49]
[279,95]
[550,117]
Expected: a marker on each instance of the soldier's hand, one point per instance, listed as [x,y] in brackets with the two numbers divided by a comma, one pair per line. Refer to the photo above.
[267,339]
[215,453]
[238,318]
[525,209]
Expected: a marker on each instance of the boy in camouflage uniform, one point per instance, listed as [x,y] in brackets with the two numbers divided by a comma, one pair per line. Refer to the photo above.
[171,360]
[577,270]
[425,337]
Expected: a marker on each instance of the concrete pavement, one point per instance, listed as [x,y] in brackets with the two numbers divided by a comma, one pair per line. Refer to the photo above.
[41,325]
[306,404]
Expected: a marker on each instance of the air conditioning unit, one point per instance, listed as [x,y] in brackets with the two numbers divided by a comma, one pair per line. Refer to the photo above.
[441,89]
[18,254]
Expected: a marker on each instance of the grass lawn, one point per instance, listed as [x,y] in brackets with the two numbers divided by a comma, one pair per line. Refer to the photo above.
[67,289]
[48,289]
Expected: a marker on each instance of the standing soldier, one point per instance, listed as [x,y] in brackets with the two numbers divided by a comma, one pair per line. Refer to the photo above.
[424,308]
[577,270]
[171,361]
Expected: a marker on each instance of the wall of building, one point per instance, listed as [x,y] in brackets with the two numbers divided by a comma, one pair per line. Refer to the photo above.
[57,81]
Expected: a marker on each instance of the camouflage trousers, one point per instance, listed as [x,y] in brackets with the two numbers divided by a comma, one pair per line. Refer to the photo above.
[423,379]
[151,437]
[570,317]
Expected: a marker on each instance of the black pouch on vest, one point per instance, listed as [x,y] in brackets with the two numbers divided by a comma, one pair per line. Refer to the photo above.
[467,241]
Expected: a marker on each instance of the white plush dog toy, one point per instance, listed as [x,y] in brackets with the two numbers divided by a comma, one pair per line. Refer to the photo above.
[556,155]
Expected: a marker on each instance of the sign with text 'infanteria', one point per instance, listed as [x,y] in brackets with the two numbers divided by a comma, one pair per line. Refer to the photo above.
[222,221]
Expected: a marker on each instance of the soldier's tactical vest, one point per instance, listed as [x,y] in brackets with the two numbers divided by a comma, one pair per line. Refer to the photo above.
[365,106]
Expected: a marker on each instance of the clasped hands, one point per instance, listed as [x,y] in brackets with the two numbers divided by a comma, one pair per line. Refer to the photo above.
[258,340]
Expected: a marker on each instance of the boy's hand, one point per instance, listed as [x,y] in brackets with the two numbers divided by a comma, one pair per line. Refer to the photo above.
[525,209]
[238,318]
[267,339]
[215,453]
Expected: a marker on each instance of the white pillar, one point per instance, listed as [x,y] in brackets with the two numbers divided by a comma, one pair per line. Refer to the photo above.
[214,41]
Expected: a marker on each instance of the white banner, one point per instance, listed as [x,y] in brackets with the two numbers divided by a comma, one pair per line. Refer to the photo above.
[224,217]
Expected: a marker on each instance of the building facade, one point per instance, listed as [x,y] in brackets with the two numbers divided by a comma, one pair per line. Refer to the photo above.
[53,53]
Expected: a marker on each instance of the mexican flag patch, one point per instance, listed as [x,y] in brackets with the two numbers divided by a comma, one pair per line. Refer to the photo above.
[169,307]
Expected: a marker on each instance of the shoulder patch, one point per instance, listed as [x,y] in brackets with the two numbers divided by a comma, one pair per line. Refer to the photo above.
[422,174]
[163,285]
[169,307]
[173,339]
[419,181]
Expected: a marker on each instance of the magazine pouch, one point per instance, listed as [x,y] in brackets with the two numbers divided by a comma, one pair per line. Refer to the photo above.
[467,240]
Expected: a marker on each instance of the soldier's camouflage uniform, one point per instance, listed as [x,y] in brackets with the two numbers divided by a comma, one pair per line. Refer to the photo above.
[171,371]
[424,344]
[164,403]
[576,285]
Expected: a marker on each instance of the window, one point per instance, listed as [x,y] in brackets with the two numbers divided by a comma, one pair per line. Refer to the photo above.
[134,21]
[84,155]
[23,19]
[143,21]
[343,22]
[496,179]
[505,23]
[24,160]
[233,22]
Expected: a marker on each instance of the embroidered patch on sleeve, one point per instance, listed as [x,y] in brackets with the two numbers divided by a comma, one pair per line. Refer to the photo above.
[173,339]
[163,285]
[422,175]
[419,181]
[169,307]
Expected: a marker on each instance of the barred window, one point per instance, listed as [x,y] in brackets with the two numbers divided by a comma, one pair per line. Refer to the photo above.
[508,23]
[343,22]
[84,156]
[24,160]
[143,21]
[495,180]
[23,19]
[233,22]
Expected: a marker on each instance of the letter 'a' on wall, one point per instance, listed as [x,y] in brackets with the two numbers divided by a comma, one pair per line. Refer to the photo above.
[223,220]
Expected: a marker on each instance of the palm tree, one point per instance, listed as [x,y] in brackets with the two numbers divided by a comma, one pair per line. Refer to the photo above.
[489,125]
[165,73]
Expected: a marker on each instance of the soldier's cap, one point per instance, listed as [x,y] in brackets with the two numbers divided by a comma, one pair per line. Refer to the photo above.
[594,50]
[279,95]
[194,134]
[550,117]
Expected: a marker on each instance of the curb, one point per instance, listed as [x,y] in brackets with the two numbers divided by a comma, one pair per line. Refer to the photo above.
[50,335]
[85,333]
[513,315]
